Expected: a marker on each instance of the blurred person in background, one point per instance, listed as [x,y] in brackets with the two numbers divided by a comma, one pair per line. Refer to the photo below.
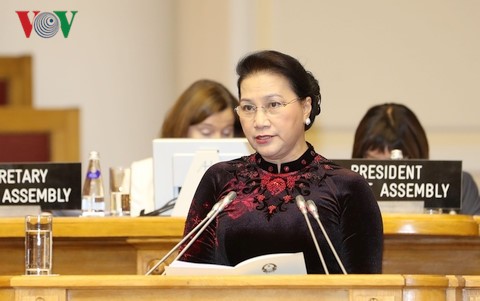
[204,110]
[390,126]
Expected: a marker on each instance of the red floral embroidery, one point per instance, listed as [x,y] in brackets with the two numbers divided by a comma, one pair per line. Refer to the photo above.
[291,182]
[265,180]
[274,193]
[276,186]
[287,198]
[243,206]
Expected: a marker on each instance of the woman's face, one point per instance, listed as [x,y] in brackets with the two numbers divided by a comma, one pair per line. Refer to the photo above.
[378,154]
[279,137]
[218,125]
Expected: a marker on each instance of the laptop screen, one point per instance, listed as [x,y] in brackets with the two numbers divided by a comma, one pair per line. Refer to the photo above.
[173,170]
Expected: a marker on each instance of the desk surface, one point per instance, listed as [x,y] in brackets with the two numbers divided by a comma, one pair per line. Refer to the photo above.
[397,287]
[431,224]
[171,227]
[277,287]
[304,281]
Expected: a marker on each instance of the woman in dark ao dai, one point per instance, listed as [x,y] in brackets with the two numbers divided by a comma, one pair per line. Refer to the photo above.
[278,102]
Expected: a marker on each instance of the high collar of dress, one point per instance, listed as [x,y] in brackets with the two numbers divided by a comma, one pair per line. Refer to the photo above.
[287,167]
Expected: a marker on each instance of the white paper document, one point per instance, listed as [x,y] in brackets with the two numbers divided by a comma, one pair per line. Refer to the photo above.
[271,264]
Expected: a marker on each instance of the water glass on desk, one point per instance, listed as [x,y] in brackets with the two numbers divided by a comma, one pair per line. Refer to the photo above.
[38,244]
[120,191]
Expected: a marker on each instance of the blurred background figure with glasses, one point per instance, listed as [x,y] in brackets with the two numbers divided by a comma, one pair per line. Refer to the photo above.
[204,110]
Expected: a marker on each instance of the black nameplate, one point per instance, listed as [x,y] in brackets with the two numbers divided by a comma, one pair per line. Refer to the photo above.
[48,185]
[437,183]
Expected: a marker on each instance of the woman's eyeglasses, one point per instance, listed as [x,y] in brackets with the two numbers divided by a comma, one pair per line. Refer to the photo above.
[271,108]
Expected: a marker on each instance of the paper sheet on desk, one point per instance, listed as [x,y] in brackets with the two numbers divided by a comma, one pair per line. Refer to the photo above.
[271,264]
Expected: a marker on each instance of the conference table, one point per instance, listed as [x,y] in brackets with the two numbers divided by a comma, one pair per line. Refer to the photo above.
[414,244]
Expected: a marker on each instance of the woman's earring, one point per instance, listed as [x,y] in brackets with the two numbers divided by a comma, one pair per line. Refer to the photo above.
[308,121]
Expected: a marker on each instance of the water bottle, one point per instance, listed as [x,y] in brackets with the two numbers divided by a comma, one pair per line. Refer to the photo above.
[396,154]
[93,201]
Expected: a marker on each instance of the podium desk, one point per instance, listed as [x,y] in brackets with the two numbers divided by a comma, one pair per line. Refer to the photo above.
[471,288]
[431,244]
[6,291]
[231,288]
[414,244]
[93,245]
[477,220]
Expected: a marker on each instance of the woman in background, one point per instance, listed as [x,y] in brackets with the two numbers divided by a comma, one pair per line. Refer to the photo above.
[204,110]
[279,101]
[394,126]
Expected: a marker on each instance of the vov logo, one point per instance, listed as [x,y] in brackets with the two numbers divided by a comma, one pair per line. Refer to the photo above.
[46,24]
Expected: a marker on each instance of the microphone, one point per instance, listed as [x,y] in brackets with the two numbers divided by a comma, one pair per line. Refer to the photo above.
[216,209]
[223,203]
[312,208]
[301,205]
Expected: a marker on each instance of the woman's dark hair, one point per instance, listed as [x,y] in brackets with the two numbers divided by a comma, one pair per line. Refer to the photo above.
[391,126]
[303,82]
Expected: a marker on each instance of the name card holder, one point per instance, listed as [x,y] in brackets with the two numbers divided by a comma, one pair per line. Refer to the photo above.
[411,186]
[33,187]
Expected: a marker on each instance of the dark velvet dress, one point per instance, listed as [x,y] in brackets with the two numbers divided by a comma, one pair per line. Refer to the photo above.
[264,218]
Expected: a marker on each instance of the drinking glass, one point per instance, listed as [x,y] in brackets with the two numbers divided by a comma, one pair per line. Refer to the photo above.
[120,191]
[38,244]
